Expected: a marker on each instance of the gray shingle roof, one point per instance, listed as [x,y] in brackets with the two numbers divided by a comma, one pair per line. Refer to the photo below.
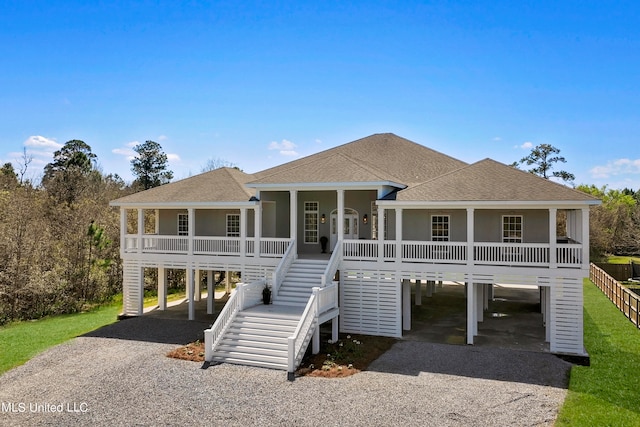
[488,180]
[219,185]
[379,157]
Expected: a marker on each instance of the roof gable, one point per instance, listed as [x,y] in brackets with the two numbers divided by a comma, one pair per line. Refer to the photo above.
[379,157]
[489,180]
[218,185]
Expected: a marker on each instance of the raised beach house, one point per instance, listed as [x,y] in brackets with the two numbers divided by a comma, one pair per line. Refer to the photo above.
[392,214]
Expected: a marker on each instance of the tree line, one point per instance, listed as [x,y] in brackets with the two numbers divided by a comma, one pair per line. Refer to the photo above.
[59,239]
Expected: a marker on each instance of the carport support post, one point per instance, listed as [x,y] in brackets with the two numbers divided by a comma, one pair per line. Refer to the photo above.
[191,287]
[198,288]
[429,288]
[227,282]
[334,329]
[479,303]
[211,292]
[547,304]
[471,315]
[162,288]
[406,305]
[419,292]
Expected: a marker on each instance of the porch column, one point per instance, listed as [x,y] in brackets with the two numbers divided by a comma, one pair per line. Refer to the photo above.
[398,234]
[585,238]
[157,222]
[553,239]
[293,216]
[198,286]
[380,233]
[340,223]
[191,292]
[406,305]
[471,312]
[191,229]
[419,291]
[140,228]
[162,288]
[470,237]
[243,232]
[211,291]
[257,227]
[123,231]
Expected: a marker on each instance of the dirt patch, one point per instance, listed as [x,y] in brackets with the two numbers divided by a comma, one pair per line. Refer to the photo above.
[347,356]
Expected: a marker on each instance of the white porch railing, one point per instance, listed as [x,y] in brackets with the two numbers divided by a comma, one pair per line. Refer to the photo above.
[435,252]
[321,301]
[569,255]
[484,253]
[245,295]
[526,254]
[204,245]
[283,266]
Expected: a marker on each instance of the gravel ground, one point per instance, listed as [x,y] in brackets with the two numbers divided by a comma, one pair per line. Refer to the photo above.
[110,381]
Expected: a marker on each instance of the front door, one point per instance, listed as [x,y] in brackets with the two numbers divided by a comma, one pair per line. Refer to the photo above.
[350,226]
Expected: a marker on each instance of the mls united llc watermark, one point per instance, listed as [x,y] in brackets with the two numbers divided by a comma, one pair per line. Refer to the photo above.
[43,407]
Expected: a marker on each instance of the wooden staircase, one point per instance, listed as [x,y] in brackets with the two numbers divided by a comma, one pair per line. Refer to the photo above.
[303,275]
[258,336]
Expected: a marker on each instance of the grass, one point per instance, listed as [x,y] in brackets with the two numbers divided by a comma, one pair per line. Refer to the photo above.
[607,393]
[21,341]
[619,259]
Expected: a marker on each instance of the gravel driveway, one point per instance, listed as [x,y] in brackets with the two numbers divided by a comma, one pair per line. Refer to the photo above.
[107,380]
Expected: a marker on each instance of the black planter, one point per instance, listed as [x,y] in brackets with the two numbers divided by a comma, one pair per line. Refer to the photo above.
[266,296]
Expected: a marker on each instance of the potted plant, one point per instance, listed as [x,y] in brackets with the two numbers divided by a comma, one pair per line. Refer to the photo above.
[323,244]
[266,294]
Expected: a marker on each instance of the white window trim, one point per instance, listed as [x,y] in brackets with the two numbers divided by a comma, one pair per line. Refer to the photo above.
[448,236]
[502,230]
[317,222]
[227,224]
[185,223]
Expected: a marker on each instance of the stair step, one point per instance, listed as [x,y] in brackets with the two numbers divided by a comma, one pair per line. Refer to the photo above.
[269,321]
[290,302]
[261,351]
[257,341]
[269,327]
[282,366]
[239,330]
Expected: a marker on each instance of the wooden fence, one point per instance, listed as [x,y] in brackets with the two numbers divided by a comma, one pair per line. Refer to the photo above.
[619,272]
[627,301]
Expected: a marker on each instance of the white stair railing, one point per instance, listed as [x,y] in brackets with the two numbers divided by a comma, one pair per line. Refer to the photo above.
[332,267]
[298,342]
[283,266]
[245,295]
[321,301]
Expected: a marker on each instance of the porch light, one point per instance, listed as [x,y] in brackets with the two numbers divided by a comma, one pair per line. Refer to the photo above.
[365,219]
[323,218]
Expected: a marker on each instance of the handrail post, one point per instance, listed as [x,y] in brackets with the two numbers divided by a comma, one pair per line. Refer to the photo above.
[315,346]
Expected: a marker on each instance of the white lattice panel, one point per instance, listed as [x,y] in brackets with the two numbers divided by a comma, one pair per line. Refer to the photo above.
[132,289]
[370,303]
[566,317]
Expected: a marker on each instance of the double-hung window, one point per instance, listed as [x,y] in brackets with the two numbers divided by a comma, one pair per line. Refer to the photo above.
[512,228]
[233,225]
[183,224]
[440,228]
[311,214]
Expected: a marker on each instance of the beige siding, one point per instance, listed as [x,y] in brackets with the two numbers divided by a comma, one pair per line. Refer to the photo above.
[488,225]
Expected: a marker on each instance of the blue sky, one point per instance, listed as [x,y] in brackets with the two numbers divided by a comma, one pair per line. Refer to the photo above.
[260,83]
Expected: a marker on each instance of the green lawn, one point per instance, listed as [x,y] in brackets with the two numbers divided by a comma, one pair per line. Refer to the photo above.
[21,341]
[619,259]
[607,393]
